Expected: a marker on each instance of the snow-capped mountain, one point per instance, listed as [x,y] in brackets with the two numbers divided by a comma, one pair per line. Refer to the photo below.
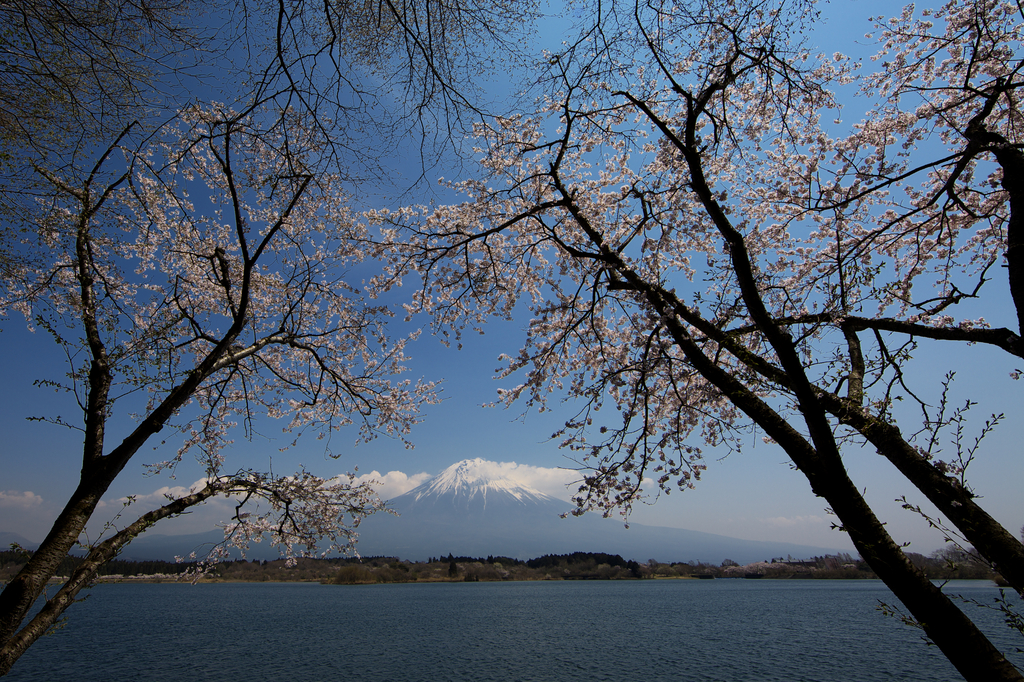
[475,508]
[469,487]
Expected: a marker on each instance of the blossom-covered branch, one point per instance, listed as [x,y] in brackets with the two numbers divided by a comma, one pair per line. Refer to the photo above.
[193,313]
[704,257]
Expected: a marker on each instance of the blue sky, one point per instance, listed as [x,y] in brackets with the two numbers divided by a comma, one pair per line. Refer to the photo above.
[754,494]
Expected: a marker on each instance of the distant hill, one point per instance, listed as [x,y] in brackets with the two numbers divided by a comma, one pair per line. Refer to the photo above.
[7,539]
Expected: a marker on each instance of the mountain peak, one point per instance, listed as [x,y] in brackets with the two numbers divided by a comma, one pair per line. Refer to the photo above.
[475,481]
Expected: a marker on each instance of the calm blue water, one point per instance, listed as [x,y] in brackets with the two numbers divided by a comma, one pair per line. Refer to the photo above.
[730,630]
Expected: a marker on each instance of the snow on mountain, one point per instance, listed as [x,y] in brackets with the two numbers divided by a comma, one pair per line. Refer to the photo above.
[469,484]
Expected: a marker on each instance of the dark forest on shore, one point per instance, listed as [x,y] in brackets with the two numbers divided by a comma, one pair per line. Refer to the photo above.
[946,564]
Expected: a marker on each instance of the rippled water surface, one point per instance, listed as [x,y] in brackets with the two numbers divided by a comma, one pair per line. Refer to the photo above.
[729,630]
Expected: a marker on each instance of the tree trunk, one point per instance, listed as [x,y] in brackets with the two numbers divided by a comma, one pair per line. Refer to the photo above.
[14,644]
[944,622]
[22,591]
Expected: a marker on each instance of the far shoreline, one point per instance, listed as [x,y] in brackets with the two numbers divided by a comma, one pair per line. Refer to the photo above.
[552,567]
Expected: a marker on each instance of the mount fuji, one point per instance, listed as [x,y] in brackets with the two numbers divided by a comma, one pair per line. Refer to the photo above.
[473,508]
[476,508]
[476,488]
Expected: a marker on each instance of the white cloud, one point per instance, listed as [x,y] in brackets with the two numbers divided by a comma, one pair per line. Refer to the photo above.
[790,521]
[163,495]
[393,483]
[552,481]
[19,499]
[154,499]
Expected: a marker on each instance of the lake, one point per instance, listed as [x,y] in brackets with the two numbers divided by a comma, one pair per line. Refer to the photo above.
[730,630]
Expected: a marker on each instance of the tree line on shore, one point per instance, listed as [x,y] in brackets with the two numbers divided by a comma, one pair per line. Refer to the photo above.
[943,564]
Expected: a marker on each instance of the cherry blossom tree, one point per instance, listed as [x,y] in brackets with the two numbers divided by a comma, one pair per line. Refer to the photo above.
[706,250]
[74,67]
[197,315]
[372,76]
[195,319]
